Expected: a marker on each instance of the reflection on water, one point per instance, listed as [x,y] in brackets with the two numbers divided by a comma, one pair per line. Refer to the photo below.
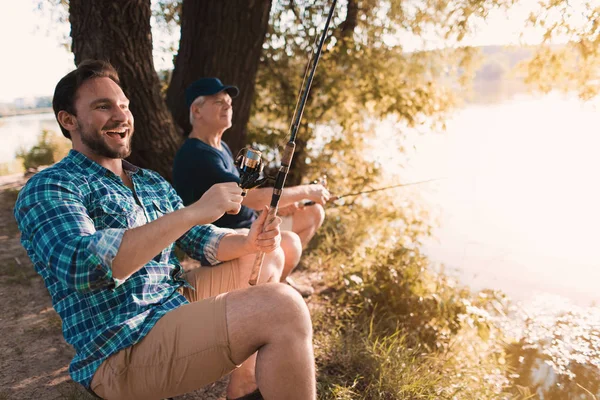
[556,353]
[22,132]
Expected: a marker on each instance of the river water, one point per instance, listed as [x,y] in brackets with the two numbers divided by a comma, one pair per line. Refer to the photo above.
[519,208]
[22,131]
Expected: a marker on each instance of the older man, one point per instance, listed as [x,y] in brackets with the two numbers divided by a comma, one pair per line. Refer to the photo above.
[204,160]
[101,232]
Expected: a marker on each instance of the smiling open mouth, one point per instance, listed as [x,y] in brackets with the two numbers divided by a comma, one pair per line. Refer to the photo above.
[120,133]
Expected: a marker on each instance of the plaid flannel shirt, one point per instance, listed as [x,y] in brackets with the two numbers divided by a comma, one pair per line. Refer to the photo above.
[72,217]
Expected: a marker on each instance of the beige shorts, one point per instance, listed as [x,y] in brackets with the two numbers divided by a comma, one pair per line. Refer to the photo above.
[187,349]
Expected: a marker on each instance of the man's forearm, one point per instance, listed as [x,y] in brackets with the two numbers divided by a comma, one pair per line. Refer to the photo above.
[141,244]
[233,246]
[258,198]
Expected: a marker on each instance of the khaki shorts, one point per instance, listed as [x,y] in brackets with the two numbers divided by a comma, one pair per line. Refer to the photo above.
[187,349]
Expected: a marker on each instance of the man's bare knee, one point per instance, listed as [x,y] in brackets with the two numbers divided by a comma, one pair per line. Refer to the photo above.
[273,266]
[318,214]
[292,309]
[265,314]
[283,306]
[292,249]
[290,239]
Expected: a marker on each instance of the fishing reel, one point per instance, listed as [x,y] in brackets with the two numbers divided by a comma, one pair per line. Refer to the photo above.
[250,165]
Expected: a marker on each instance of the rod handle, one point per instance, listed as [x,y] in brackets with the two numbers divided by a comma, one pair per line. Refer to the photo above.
[260,256]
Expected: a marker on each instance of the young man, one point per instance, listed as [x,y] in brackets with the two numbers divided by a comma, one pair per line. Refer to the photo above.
[204,160]
[101,233]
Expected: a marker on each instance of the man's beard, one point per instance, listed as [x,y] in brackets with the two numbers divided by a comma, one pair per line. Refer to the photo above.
[96,143]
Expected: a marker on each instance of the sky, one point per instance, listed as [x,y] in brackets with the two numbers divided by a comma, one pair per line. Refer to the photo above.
[33,58]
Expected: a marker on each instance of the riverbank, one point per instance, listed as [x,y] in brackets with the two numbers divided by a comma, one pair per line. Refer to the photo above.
[29,111]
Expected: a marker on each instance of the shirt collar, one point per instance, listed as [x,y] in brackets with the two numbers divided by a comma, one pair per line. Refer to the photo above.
[93,168]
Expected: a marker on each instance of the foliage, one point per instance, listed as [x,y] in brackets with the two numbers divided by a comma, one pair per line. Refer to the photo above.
[49,149]
[575,64]
[364,75]
[167,14]
[389,327]
[56,10]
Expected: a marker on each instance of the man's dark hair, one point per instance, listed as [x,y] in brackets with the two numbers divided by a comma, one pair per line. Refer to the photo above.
[66,88]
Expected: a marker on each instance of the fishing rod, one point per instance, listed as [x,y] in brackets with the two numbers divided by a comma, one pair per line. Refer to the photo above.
[333,198]
[288,153]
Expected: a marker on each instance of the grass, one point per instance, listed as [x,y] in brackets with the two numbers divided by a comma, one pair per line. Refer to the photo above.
[376,368]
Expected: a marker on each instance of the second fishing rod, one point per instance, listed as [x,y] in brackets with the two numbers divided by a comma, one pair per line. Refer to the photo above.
[333,198]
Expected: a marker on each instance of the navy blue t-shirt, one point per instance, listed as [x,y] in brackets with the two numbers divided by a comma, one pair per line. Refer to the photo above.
[198,166]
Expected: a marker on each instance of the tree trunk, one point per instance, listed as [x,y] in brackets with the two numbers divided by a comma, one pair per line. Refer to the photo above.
[223,39]
[119,31]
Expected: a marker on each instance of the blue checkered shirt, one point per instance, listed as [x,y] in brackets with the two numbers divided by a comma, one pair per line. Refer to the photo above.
[72,217]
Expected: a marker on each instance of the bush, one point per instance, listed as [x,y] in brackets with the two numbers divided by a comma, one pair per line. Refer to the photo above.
[49,149]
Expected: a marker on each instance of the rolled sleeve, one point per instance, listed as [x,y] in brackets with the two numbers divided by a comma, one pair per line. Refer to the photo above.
[105,244]
[202,243]
[210,250]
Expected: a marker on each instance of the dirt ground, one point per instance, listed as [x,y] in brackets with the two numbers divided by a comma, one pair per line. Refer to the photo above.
[34,357]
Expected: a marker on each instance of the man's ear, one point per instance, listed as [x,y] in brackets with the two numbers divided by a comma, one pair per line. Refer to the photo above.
[195,108]
[67,120]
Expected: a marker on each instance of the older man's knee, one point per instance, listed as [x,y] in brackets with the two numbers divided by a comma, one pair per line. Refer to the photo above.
[318,215]
[291,244]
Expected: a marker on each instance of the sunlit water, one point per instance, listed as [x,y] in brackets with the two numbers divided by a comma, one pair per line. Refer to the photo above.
[520,205]
[22,132]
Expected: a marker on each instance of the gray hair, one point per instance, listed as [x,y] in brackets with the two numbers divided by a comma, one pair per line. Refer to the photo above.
[198,101]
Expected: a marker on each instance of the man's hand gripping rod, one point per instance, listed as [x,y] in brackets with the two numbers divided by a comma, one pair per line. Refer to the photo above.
[288,153]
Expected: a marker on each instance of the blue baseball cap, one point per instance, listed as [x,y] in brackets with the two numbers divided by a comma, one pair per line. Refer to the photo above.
[207,87]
